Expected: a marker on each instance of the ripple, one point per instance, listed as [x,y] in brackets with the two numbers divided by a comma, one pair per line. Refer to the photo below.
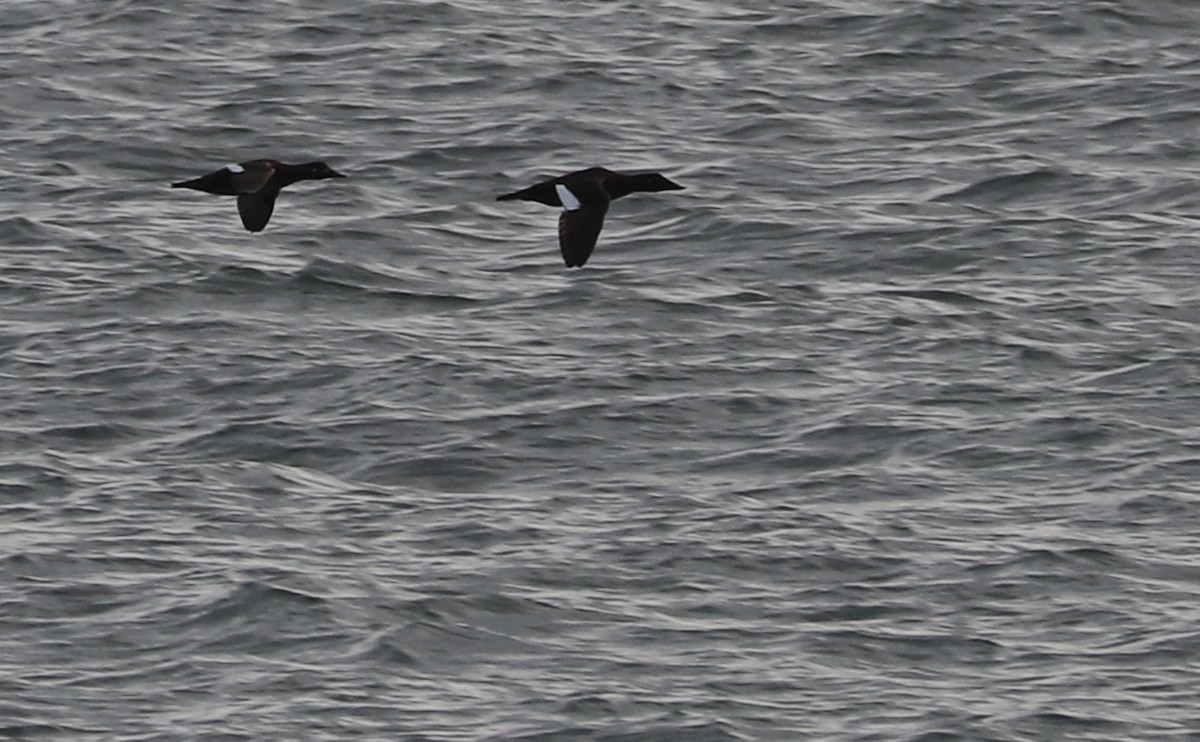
[893,399]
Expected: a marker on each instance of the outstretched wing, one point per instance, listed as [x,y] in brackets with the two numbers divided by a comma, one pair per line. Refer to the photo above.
[249,177]
[252,177]
[542,192]
[255,209]
[579,224]
[577,234]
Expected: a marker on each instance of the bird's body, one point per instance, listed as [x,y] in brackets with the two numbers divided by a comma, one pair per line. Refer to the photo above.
[584,196]
[256,184]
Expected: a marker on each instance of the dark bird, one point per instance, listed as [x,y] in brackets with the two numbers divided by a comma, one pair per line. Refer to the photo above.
[256,184]
[584,197]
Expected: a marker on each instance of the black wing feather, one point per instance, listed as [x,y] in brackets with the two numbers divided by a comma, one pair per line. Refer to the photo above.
[578,231]
[255,209]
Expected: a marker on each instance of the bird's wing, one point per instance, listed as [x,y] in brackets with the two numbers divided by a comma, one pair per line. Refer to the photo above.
[578,230]
[251,177]
[581,220]
[542,192]
[255,209]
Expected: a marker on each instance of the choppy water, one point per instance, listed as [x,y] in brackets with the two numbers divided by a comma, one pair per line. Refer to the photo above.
[884,429]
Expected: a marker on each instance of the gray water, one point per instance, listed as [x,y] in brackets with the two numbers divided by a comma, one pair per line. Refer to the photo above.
[885,428]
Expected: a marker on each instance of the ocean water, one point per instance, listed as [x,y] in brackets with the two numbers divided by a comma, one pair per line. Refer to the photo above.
[885,428]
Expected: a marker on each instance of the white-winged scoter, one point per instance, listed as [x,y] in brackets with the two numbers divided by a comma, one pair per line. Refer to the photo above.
[256,184]
[584,197]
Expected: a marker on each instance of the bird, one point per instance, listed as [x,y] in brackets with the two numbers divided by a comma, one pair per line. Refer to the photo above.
[584,196]
[256,184]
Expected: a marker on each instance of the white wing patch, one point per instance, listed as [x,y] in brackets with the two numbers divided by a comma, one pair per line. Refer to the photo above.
[233,167]
[569,202]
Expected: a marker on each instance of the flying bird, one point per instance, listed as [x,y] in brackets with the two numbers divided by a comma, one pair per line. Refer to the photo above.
[584,197]
[256,184]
